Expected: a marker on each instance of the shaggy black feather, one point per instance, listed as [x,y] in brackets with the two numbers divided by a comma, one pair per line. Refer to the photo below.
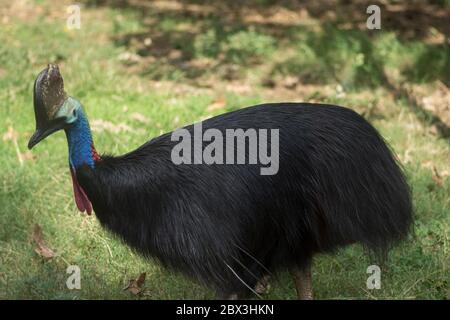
[338,183]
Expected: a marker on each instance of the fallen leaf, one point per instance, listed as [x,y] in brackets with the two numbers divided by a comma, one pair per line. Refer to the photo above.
[427,164]
[140,118]
[28,155]
[445,173]
[175,54]
[10,135]
[216,105]
[437,177]
[135,286]
[290,82]
[41,248]
[99,125]
[148,42]
[129,57]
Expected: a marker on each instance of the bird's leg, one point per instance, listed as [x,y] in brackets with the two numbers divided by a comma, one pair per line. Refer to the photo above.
[233,296]
[263,285]
[303,282]
[227,296]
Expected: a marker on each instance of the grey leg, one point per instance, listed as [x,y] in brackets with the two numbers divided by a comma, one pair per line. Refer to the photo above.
[226,296]
[303,282]
[263,285]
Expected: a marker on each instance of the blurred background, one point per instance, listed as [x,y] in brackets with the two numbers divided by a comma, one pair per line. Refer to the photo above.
[142,68]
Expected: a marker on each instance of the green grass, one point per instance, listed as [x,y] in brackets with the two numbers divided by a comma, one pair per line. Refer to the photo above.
[216,60]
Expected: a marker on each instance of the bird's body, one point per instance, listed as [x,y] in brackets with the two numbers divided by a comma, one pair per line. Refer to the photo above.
[227,225]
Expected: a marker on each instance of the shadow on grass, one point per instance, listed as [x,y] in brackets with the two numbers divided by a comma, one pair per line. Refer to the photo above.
[343,56]
[410,19]
[433,64]
[189,39]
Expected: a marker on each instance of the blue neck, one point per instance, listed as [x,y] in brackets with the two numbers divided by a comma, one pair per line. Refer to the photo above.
[80,142]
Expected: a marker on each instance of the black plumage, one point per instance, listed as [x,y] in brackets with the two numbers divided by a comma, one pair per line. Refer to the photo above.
[228,226]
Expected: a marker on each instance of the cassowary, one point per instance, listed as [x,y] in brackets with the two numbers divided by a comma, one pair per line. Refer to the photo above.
[227,225]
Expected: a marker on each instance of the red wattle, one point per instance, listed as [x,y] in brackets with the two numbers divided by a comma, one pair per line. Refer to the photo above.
[81,199]
[95,155]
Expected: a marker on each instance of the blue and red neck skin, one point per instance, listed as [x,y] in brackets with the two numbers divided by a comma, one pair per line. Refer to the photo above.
[81,145]
[81,152]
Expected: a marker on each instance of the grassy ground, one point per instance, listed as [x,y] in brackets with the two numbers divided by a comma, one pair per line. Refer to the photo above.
[144,69]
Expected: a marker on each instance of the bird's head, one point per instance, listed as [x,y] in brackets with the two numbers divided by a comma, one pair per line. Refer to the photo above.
[53,109]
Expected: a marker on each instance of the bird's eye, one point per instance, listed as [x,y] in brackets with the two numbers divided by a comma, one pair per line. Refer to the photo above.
[74,112]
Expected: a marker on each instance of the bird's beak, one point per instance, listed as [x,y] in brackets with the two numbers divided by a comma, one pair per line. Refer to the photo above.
[49,97]
[42,133]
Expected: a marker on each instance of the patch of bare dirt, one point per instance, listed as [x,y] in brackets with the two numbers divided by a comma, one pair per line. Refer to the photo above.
[415,19]
[434,98]
[41,247]
[27,10]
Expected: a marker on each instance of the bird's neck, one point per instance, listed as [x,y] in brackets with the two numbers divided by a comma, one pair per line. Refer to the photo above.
[81,145]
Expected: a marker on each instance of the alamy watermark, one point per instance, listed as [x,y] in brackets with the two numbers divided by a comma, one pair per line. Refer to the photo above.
[374,280]
[374,20]
[74,17]
[74,279]
[239,146]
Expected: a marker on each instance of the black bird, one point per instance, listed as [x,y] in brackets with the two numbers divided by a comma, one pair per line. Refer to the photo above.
[228,225]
